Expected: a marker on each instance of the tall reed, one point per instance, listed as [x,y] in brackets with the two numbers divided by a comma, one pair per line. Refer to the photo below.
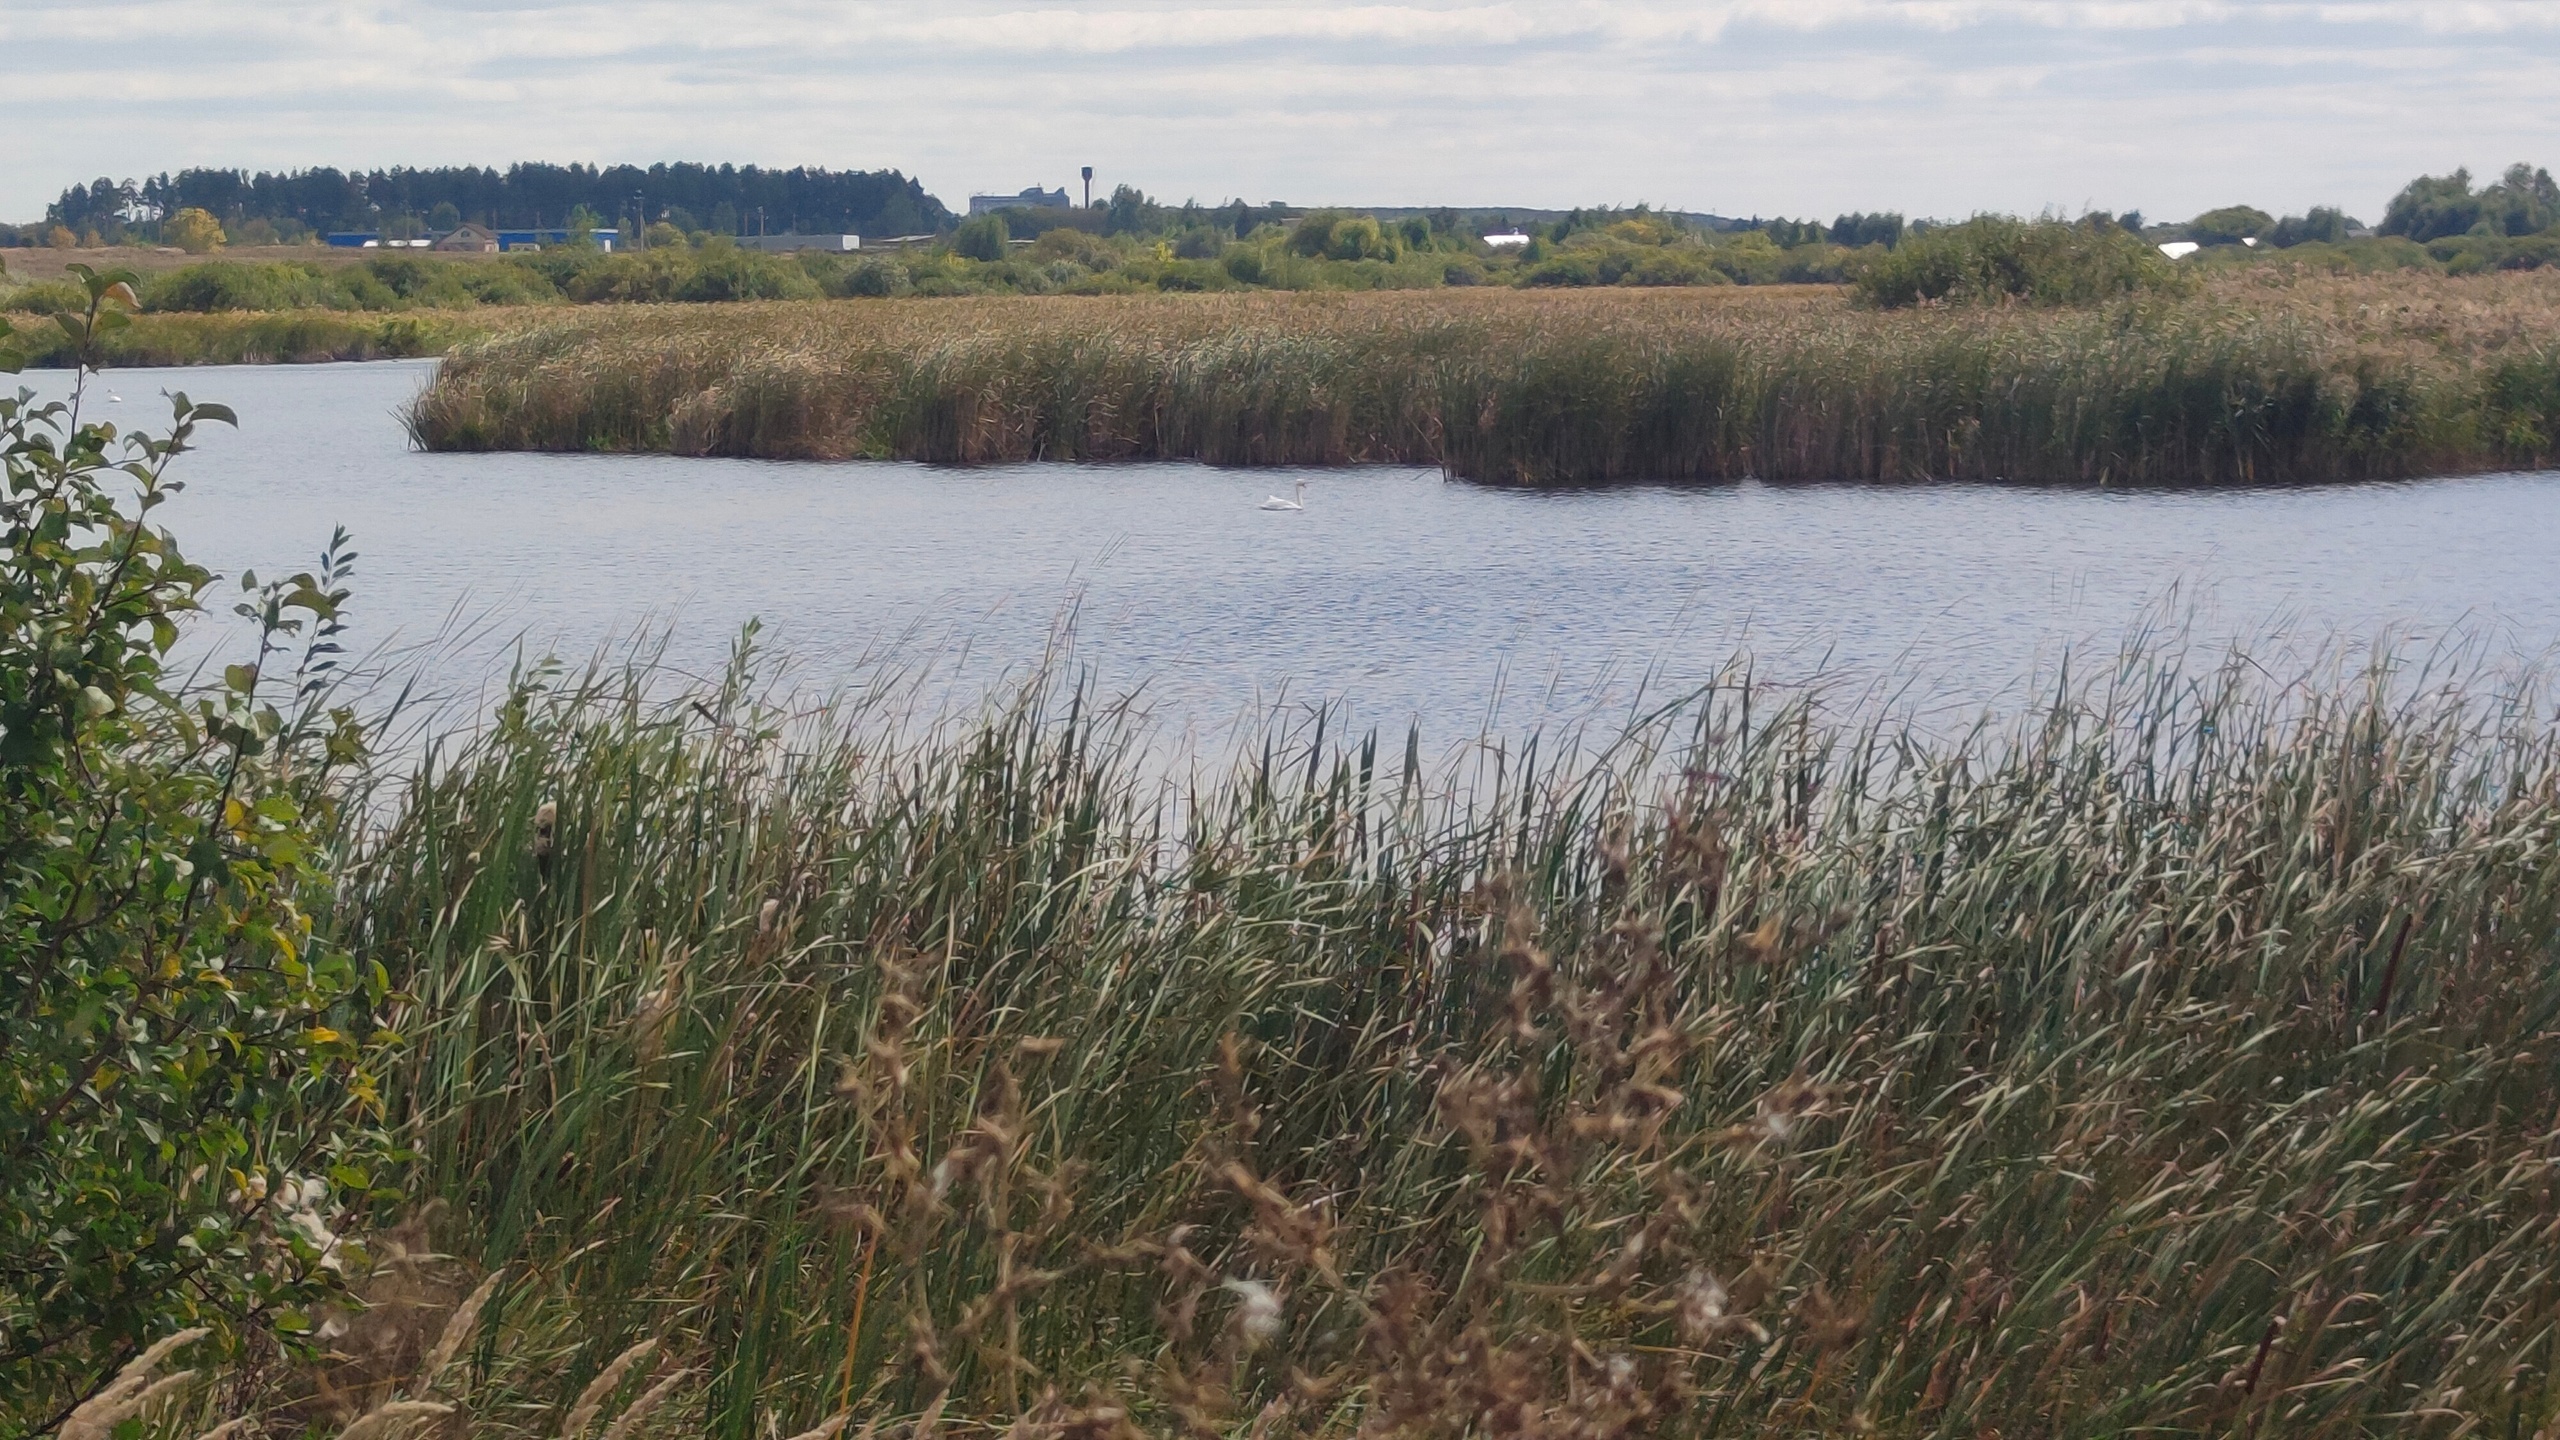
[2244,382]
[292,337]
[2175,1057]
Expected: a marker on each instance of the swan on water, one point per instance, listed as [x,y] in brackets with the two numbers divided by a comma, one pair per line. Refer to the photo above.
[1276,503]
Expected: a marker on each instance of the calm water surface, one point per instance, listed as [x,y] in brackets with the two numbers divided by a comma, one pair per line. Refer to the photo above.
[1397,592]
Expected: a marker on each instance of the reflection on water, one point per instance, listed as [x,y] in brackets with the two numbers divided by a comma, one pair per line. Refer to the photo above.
[1395,591]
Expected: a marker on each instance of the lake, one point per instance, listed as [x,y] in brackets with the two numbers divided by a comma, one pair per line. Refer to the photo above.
[1394,593]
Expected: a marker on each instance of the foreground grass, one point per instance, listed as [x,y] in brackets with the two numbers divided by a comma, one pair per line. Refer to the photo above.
[2181,1058]
[2256,379]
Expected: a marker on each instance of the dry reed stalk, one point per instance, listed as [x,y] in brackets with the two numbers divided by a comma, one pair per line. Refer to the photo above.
[124,1396]
[628,1423]
[591,1400]
[392,1416]
[458,1329]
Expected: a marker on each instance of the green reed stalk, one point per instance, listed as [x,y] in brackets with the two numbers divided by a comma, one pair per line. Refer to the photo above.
[2183,1056]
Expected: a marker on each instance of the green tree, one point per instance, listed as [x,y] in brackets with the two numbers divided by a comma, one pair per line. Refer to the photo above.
[2525,201]
[186,1091]
[447,216]
[2230,225]
[2432,207]
[1788,234]
[983,237]
[1130,212]
[1334,235]
[194,231]
[1859,229]
[2322,224]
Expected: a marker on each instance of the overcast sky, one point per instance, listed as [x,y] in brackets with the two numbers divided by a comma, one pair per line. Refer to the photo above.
[1772,107]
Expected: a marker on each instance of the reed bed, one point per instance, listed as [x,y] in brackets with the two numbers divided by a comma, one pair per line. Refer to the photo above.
[2179,1057]
[2256,378]
[284,337]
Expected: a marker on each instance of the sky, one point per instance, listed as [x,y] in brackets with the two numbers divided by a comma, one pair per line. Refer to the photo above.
[1741,107]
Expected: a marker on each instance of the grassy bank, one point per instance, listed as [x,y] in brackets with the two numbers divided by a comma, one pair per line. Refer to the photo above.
[2177,1060]
[2255,378]
[258,338]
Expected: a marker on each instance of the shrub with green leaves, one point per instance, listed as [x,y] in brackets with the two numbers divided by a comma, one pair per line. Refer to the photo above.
[186,1093]
[1993,259]
[1333,235]
[982,238]
[2230,225]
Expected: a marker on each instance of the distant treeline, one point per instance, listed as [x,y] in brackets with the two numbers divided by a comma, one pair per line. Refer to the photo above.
[676,214]
[696,200]
[722,199]
[1993,260]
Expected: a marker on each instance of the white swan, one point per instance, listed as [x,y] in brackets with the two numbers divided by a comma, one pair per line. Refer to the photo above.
[114,399]
[1276,503]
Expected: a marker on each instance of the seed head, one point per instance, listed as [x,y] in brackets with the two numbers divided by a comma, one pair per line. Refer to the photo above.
[1257,1312]
[1701,1298]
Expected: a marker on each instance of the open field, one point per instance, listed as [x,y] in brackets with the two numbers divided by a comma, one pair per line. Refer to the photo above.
[2177,1061]
[2258,378]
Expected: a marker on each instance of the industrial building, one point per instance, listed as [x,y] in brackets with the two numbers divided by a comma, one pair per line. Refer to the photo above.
[1032,198]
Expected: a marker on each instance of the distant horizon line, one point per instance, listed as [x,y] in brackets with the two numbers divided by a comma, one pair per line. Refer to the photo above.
[1550,212]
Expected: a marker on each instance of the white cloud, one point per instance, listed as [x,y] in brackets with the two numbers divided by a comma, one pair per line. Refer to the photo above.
[1767,106]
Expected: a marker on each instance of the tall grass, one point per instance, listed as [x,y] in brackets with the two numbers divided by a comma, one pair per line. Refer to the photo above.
[2246,382]
[2177,1057]
[270,337]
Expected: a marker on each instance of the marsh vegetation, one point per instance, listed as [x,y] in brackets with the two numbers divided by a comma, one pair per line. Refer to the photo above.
[2246,379]
[2174,1055]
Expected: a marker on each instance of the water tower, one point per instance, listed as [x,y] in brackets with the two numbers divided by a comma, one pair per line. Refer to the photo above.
[1088,187]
